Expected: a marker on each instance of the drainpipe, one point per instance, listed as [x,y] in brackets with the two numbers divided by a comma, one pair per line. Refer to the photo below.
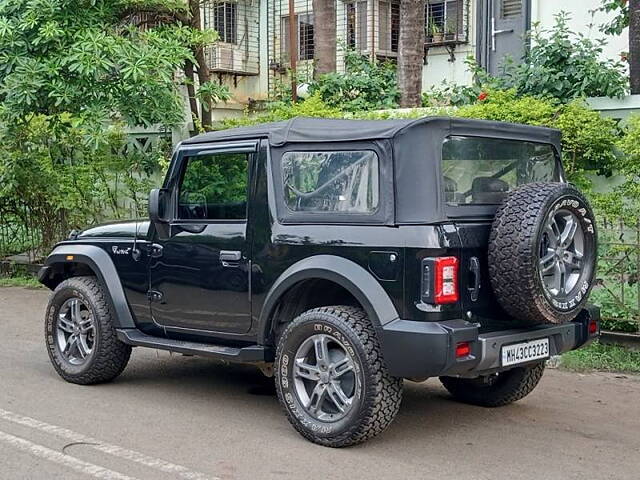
[293,49]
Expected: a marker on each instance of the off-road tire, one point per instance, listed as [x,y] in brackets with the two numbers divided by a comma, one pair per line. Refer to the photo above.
[514,253]
[381,393]
[109,356]
[509,386]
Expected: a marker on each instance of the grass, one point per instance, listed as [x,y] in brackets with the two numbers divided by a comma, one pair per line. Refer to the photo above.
[28,281]
[598,356]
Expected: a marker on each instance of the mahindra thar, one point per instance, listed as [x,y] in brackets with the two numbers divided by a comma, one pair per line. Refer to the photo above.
[341,257]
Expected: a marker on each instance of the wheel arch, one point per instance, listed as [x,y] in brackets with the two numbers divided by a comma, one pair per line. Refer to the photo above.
[67,261]
[354,279]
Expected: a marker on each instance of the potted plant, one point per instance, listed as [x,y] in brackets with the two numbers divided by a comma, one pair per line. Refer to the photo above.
[436,31]
[451,30]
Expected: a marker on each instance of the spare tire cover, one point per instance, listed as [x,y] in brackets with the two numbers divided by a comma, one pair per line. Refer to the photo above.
[543,253]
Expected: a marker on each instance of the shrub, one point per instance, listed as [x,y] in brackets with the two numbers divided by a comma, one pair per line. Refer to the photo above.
[365,85]
[506,106]
[52,179]
[588,139]
[567,65]
[310,107]
[628,164]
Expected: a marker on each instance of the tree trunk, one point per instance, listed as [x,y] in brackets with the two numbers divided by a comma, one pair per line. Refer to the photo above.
[634,46]
[324,36]
[191,89]
[411,52]
[204,74]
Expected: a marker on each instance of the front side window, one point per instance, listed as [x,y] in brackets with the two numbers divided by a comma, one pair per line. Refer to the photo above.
[214,187]
[338,181]
[479,170]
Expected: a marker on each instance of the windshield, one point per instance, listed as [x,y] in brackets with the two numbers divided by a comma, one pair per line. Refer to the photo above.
[480,170]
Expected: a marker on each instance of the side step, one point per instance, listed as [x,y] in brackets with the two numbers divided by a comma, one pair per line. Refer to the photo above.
[251,354]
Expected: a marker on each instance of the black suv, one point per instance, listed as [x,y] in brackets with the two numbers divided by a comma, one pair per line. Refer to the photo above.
[342,256]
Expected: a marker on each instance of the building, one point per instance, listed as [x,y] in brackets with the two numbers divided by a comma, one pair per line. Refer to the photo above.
[253,55]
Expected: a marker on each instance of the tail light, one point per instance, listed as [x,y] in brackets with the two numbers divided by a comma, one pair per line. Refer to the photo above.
[463,349]
[440,280]
[593,327]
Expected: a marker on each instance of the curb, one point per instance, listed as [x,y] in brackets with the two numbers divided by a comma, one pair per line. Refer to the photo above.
[629,340]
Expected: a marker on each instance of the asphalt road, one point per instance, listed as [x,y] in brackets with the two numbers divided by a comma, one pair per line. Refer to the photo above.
[170,416]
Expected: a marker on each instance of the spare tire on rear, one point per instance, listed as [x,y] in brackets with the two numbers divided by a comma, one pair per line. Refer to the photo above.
[542,253]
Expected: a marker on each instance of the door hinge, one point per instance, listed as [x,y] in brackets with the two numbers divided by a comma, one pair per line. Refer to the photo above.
[155,250]
[474,269]
[154,296]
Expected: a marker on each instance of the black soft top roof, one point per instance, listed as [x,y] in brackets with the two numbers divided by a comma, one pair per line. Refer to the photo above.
[410,153]
[302,130]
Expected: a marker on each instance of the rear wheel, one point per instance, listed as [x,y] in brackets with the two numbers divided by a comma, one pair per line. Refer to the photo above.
[331,380]
[498,389]
[80,335]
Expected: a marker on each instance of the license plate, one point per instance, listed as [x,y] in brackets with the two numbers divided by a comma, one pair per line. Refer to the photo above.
[525,352]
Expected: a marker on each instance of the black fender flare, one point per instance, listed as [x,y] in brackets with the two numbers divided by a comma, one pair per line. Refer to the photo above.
[101,264]
[358,281]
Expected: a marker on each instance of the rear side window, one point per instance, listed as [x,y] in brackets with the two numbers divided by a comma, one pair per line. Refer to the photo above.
[337,181]
[481,170]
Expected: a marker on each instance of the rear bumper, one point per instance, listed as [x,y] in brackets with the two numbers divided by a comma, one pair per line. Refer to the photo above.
[427,349]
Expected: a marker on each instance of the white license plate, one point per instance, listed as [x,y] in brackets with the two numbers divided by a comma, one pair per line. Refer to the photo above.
[525,352]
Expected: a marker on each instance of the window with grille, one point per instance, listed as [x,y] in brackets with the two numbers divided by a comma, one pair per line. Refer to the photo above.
[445,21]
[304,28]
[357,24]
[388,26]
[223,18]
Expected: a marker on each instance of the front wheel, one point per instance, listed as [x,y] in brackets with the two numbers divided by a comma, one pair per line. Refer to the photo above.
[331,380]
[80,334]
[498,389]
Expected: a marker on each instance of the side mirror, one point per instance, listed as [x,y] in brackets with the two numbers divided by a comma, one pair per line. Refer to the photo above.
[159,210]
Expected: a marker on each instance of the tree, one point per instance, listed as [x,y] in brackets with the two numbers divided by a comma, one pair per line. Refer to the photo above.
[72,74]
[411,52]
[627,15]
[324,37]
[78,56]
[186,13]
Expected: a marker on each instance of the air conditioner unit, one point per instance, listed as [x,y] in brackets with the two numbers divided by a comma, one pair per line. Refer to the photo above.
[227,58]
[222,56]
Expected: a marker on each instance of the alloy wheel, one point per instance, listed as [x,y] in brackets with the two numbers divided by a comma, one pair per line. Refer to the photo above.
[75,331]
[561,253]
[325,378]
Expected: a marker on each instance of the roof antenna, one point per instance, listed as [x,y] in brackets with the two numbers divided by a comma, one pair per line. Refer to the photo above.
[135,253]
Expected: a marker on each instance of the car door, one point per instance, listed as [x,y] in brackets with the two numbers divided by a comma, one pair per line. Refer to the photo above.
[199,275]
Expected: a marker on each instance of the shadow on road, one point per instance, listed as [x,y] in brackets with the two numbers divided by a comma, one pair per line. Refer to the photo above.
[427,410]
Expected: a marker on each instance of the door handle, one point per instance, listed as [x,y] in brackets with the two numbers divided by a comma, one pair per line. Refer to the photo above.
[230,258]
[495,32]
[474,268]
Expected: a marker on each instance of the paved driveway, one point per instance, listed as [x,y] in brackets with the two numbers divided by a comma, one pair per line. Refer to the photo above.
[170,416]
